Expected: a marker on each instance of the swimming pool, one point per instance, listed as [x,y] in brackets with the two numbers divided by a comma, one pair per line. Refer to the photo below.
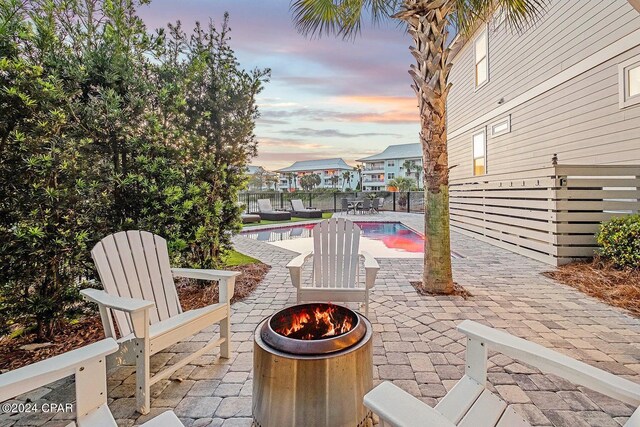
[380,239]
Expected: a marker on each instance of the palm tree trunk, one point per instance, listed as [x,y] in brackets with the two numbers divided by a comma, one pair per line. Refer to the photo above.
[427,21]
[437,275]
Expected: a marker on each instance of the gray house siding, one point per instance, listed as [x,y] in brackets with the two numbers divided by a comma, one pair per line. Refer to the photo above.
[579,119]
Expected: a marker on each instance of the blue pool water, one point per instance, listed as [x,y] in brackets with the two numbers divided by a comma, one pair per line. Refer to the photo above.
[388,239]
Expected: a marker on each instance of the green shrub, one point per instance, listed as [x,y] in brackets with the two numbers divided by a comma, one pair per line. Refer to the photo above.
[104,127]
[619,240]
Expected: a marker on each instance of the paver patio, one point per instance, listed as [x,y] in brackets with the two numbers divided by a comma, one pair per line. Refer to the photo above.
[415,342]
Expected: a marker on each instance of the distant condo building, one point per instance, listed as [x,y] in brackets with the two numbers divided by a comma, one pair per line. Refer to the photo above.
[330,171]
[260,179]
[383,167]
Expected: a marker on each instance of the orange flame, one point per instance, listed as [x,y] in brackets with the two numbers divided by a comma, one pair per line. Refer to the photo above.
[320,323]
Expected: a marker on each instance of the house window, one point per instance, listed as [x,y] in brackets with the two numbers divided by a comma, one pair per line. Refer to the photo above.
[482,59]
[391,163]
[391,175]
[501,126]
[479,153]
[629,82]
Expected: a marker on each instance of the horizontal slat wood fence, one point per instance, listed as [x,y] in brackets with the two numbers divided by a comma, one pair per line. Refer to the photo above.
[550,214]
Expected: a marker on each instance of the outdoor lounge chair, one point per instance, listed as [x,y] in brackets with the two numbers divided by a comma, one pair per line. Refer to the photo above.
[267,212]
[298,209]
[470,403]
[336,265]
[88,366]
[140,293]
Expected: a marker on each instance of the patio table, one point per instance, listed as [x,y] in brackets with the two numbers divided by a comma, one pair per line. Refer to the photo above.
[355,204]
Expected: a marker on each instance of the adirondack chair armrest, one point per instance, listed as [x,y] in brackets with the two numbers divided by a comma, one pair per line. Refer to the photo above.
[201,274]
[371,268]
[553,362]
[128,305]
[31,377]
[295,267]
[226,279]
[399,408]
[138,309]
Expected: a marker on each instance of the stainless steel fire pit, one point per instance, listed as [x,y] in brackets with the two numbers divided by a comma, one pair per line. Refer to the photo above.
[316,376]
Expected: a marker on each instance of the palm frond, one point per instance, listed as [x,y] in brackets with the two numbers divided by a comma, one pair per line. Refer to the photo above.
[338,17]
[519,14]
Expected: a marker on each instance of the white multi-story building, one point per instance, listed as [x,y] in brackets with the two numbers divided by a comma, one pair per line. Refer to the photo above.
[331,173]
[383,167]
[260,179]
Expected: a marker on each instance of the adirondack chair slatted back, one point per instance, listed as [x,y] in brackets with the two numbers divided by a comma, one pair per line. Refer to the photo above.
[135,264]
[336,244]
[297,205]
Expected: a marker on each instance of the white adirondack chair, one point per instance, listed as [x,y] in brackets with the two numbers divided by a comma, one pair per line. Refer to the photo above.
[336,261]
[88,366]
[469,403]
[140,293]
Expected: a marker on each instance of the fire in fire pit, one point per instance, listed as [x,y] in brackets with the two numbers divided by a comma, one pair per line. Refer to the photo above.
[313,321]
[315,328]
[313,364]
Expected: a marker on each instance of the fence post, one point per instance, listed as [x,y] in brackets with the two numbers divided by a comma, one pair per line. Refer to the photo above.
[335,205]
[394,201]
[408,201]
[281,200]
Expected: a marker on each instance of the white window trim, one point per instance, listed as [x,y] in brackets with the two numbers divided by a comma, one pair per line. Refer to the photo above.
[485,31]
[482,131]
[624,100]
[492,126]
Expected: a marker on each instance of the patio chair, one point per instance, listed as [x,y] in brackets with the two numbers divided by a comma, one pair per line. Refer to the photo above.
[366,205]
[88,366]
[267,212]
[140,293]
[298,209]
[470,403]
[375,206]
[336,265]
[380,203]
[347,205]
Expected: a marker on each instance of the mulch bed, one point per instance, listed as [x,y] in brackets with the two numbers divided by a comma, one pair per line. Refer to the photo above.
[620,288]
[458,291]
[89,329]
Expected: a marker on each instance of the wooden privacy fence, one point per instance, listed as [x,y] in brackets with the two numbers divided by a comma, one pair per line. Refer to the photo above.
[550,214]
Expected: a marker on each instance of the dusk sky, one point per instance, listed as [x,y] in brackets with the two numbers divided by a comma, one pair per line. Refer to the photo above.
[327,97]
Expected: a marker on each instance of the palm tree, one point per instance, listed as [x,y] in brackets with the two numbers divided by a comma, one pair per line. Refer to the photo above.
[359,169]
[402,184]
[408,167]
[346,179]
[428,22]
[418,170]
[289,179]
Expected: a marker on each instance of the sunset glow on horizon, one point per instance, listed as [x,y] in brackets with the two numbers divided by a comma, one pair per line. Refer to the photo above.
[327,97]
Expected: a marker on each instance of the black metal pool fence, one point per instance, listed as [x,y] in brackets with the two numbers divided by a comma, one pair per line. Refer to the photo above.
[405,201]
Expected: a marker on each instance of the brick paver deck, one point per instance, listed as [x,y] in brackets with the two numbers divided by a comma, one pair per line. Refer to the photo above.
[416,345]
